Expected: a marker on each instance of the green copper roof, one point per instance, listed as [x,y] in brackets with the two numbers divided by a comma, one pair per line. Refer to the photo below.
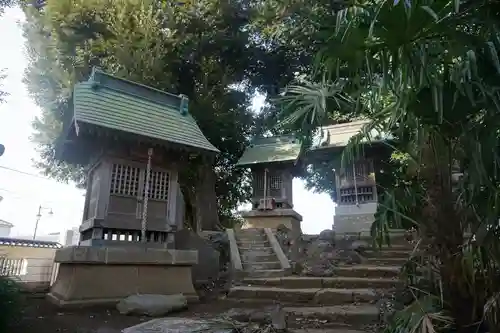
[269,150]
[107,101]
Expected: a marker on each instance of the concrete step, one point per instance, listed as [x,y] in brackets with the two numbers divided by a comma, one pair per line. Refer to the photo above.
[253,244]
[386,261]
[298,282]
[262,265]
[250,256]
[344,318]
[335,315]
[264,273]
[326,330]
[257,255]
[252,239]
[372,271]
[247,247]
[388,253]
[396,247]
[319,296]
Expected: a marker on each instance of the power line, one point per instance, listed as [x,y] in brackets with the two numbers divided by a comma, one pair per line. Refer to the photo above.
[23,196]
[24,172]
[33,175]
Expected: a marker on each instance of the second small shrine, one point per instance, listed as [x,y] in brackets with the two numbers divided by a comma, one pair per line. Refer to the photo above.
[356,187]
[273,162]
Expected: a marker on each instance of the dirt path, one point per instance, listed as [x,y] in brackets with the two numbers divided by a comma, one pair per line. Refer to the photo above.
[39,316]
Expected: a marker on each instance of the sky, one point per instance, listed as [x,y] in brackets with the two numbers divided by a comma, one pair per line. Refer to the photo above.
[26,190]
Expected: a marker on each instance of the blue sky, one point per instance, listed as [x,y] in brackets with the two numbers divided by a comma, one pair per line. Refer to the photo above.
[24,193]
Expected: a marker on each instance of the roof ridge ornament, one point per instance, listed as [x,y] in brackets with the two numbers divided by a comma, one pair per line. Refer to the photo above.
[93,78]
[184,105]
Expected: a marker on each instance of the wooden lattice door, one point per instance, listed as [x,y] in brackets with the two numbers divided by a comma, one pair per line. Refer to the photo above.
[127,192]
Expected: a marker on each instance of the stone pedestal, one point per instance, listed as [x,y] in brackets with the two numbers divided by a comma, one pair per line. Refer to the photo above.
[105,275]
[354,222]
[354,219]
[273,219]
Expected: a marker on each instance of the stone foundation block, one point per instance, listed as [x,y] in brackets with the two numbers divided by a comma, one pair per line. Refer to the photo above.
[105,275]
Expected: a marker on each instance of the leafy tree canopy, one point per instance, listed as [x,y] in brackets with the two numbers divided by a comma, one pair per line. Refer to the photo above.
[428,72]
[203,49]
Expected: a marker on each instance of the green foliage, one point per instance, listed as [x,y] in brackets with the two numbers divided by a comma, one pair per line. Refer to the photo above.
[427,72]
[3,4]
[200,49]
[9,303]
[6,4]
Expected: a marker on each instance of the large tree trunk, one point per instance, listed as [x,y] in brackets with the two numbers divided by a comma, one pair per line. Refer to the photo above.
[444,230]
[206,200]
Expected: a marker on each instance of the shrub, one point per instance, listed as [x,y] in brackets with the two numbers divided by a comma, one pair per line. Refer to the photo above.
[9,301]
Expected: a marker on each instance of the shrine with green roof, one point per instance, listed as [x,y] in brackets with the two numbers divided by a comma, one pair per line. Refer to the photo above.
[133,140]
[274,161]
[112,126]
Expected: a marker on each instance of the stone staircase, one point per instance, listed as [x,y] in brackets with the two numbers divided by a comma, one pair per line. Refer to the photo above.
[258,257]
[344,301]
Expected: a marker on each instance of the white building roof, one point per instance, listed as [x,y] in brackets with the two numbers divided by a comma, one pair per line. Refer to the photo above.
[6,224]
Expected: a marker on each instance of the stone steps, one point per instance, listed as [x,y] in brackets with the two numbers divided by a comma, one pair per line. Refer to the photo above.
[372,271]
[386,261]
[389,253]
[261,265]
[343,302]
[263,273]
[244,237]
[251,236]
[298,282]
[335,315]
[246,247]
[257,255]
[319,296]
[260,257]
[346,318]
[326,330]
[252,244]
[265,249]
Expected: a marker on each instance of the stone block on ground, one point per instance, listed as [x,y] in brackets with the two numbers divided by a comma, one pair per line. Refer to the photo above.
[278,319]
[152,305]
[183,325]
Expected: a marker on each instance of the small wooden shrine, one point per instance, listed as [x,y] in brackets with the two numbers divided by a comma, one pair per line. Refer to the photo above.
[273,162]
[356,188]
[134,139]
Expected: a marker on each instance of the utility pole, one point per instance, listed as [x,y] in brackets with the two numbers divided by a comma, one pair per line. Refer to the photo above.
[39,216]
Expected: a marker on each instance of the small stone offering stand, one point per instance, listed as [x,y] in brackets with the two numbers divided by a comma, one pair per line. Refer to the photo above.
[133,139]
